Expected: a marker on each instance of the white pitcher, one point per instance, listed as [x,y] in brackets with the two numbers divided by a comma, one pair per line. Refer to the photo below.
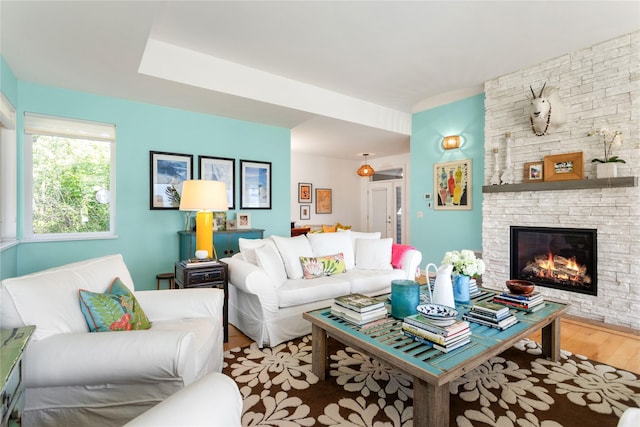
[443,289]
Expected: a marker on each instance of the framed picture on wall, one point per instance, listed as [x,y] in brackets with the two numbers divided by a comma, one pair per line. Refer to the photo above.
[220,169]
[452,185]
[167,173]
[323,201]
[304,192]
[255,185]
[305,212]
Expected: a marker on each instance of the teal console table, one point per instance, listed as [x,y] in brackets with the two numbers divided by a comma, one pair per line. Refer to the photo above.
[226,242]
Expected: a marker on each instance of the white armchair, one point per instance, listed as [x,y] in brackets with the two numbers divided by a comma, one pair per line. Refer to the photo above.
[74,377]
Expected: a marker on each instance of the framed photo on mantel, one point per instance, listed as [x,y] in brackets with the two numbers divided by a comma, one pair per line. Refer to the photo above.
[564,167]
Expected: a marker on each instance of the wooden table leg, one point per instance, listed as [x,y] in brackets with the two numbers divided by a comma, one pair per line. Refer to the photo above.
[430,404]
[319,348]
[551,340]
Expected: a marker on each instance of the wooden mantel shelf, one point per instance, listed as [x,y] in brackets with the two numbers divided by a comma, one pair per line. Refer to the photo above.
[582,184]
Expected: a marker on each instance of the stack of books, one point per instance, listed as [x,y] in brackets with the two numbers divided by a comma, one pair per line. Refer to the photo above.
[358,309]
[529,303]
[474,291]
[443,338]
[198,262]
[491,314]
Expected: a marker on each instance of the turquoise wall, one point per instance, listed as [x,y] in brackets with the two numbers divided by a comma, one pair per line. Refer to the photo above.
[439,231]
[148,238]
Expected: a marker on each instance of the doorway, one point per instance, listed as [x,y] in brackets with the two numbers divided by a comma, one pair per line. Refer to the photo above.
[385,203]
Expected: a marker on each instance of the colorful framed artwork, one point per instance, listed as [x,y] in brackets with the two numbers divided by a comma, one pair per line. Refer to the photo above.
[323,201]
[167,173]
[452,182]
[304,192]
[220,169]
[533,171]
[255,185]
[305,212]
[564,167]
[243,220]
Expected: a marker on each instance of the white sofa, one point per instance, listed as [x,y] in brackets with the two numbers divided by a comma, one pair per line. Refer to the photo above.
[74,377]
[268,294]
[213,400]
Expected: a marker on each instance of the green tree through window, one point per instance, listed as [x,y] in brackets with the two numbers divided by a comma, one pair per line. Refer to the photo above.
[71,182]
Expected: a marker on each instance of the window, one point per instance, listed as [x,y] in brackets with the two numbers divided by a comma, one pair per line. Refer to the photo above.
[8,173]
[69,178]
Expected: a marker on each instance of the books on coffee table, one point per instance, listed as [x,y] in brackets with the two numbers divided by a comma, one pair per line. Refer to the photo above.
[443,338]
[358,318]
[358,302]
[491,314]
[529,303]
[358,309]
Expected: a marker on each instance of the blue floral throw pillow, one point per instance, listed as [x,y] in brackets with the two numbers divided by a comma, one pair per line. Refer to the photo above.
[115,310]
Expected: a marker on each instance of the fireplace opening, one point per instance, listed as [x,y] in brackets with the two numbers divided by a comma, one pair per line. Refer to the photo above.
[560,258]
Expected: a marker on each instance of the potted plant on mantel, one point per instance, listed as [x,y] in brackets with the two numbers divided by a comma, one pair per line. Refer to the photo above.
[608,167]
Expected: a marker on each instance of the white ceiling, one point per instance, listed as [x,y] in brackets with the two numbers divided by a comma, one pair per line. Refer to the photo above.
[344,76]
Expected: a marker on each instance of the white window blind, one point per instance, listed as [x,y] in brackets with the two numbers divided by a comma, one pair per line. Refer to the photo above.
[36,124]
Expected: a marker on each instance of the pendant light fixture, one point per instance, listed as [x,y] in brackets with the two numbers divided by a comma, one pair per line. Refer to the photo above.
[365,170]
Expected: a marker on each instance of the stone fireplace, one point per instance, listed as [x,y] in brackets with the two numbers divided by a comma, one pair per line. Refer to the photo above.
[555,257]
[596,95]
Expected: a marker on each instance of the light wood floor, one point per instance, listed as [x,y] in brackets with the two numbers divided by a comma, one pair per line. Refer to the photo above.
[612,345]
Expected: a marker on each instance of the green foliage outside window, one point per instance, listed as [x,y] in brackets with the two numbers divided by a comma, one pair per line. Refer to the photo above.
[67,175]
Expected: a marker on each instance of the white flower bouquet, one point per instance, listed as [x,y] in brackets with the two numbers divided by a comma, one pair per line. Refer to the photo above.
[464,263]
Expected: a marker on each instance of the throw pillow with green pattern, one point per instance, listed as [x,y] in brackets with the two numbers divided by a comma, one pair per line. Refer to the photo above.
[313,267]
[114,310]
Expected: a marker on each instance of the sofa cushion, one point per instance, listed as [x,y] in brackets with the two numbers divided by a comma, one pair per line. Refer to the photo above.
[354,235]
[114,310]
[270,261]
[372,282]
[291,249]
[373,254]
[248,248]
[322,266]
[333,243]
[301,291]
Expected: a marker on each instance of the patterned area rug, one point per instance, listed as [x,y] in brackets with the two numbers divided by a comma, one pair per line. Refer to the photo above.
[516,388]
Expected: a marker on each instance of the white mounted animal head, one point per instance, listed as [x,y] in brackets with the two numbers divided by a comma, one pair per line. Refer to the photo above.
[547,111]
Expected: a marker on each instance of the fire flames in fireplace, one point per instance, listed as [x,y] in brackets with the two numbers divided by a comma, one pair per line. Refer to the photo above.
[557,269]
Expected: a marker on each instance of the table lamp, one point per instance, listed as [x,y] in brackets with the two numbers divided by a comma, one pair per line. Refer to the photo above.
[204,197]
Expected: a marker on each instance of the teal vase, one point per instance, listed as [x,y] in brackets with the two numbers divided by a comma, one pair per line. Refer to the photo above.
[405,297]
[461,289]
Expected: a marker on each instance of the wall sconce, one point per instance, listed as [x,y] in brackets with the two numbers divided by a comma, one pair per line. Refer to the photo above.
[451,142]
[365,170]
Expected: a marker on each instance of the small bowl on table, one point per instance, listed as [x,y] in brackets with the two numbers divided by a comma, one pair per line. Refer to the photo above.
[520,287]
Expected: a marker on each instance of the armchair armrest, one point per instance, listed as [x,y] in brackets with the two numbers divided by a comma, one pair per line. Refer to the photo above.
[111,357]
[410,262]
[254,280]
[212,400]
[181,303]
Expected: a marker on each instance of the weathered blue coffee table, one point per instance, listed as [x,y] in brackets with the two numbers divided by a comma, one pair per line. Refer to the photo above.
[431,369]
